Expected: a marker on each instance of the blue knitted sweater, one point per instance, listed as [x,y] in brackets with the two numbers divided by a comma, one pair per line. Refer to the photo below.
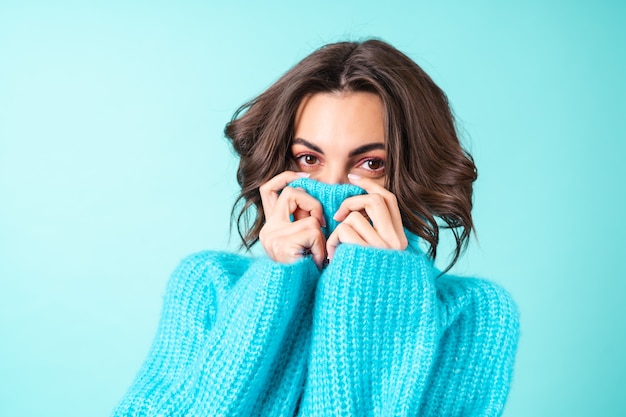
[376,333]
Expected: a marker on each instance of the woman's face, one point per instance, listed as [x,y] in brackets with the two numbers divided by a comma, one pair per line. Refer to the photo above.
[337,134]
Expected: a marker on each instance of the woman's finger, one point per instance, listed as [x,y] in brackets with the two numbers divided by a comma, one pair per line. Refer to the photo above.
[297,202]
[381,208]
[376,209]
[364,229]
[343,233]
[270,190]
[288,242]
[372,187]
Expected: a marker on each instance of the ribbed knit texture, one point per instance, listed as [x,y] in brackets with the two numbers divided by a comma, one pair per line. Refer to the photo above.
[375,334]
[331,197]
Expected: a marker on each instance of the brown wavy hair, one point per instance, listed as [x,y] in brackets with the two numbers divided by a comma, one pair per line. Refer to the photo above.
[428,170]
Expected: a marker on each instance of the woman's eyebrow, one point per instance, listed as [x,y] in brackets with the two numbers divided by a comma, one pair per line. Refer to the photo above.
[358,151]
[366,148]
[308,144]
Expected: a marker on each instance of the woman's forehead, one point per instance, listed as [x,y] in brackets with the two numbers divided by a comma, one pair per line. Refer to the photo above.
[352,119]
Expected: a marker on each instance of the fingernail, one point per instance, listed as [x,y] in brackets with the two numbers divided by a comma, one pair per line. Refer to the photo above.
[323,221]
[303,174]
[354,177]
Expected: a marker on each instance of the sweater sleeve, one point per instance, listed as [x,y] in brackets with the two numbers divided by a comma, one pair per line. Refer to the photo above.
[390,338]
[224,319]
[476,353]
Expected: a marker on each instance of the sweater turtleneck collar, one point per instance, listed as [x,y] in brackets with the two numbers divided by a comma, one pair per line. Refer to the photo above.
[329,195]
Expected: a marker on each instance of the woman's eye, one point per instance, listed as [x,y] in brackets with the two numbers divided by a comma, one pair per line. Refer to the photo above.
[308,159]
[373,164]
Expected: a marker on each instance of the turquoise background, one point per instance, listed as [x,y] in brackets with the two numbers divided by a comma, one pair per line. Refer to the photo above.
[113,167]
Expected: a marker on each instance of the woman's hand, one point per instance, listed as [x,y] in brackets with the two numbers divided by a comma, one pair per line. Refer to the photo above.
[381,207]
[284,240]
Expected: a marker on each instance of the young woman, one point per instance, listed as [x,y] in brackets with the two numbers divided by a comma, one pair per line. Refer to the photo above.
[347,163]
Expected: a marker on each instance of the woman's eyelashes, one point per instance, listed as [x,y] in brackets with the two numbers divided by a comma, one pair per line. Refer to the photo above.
[372,166]
[307,160]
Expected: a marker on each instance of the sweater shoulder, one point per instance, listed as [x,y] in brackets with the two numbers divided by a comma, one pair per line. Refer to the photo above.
[213,257]
[479,297]
[474,288]
[217,269]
